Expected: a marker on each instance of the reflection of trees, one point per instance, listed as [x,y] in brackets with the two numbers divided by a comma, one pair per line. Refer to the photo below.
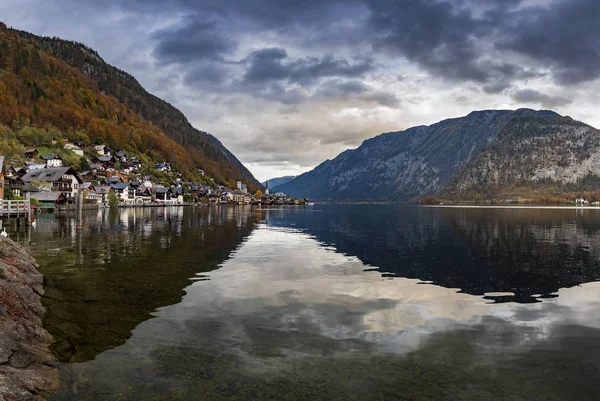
[523,251]
[130,264]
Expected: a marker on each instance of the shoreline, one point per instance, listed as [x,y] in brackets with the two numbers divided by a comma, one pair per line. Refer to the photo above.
[26,364]
[565,207]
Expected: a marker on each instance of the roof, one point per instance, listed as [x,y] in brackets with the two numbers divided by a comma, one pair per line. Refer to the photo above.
[104,158]
[103,189]
[120,185]
[49,174]
[35,166]
[31,150]
[51,157]
[160,190]
[47,196]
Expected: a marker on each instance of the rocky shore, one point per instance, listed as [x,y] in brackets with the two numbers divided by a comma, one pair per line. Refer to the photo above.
[26,371]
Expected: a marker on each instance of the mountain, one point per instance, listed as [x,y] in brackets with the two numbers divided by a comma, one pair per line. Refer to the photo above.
[273,182]
[459,158]
[532,156]
[53,83]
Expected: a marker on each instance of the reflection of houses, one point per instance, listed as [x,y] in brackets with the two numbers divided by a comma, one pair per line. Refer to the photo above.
[52,160]
[56,179]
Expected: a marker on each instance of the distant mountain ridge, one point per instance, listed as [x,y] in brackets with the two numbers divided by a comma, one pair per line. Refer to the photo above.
[273,182]
[456,157]
[203,150]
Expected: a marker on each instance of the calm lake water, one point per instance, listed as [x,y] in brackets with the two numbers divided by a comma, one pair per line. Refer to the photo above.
[329,302]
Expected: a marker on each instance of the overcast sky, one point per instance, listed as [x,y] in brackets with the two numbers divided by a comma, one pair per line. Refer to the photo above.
[287,84]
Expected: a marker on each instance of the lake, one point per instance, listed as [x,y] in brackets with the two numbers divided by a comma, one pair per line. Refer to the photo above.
[326,302]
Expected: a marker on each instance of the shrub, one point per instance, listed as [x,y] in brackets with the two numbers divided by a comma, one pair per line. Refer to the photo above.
[430,200]
[113,199]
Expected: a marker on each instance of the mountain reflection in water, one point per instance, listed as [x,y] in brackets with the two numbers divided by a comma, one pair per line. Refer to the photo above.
[523,252]
[327,303]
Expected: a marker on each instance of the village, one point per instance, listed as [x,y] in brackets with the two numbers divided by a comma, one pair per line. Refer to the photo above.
[115,178]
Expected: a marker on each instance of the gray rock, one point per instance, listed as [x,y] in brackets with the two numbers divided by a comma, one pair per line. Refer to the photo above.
[24,354]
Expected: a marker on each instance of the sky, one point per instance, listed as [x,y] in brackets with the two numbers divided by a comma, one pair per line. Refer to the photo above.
[288,84]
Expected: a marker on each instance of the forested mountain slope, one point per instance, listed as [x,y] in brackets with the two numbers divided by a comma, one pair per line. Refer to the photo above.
[51,83]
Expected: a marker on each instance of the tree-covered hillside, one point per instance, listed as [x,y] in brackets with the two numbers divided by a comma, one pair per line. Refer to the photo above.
[41,87]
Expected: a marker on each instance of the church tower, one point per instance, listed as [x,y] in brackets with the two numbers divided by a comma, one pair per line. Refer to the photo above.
[267,188]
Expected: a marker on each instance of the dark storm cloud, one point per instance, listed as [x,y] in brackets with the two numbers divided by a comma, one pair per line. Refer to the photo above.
[533,96]
[564,35]
[192,40]
[274,65]
[457,40]
[467,40]
[445,38]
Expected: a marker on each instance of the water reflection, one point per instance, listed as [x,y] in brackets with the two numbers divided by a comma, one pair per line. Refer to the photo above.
[345,302]
[104,280]
[509,254]
[288,317]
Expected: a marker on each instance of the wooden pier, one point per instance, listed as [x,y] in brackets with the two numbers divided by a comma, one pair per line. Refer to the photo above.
[15,209]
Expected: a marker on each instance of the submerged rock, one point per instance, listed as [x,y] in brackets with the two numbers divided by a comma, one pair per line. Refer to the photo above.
[25,371]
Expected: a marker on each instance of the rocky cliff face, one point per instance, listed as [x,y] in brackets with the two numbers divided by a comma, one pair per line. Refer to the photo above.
[409,164]
[528,149]
[24,356]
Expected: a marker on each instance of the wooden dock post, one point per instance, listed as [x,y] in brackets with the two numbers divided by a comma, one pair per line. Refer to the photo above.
[27,209]
[79,206]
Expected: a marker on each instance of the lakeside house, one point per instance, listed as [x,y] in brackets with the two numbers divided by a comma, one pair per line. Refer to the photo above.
[55,179]
[49,199]
[162,194]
